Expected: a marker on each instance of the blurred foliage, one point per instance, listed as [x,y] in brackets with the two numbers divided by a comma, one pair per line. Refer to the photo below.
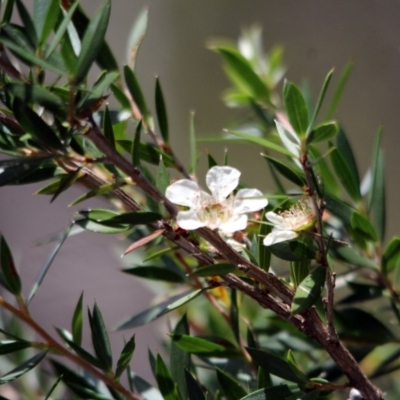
[241,304]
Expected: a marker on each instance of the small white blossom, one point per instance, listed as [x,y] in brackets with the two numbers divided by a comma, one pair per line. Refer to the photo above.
[288,224]
[220,209]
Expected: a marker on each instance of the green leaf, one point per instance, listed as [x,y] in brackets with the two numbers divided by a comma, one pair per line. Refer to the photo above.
[161,112]
[136,36]
[31,58]
[242,75]
[31,93]
[377,198]
[136,92]
[346,175]
[28,23]
[229,386]
[197,345]
[160,309]
[277,366]
[135,151]
[351,256]
[292,173]
[32,123]
[194,389]
[66,336]
[61,30]
[11,346]
[339,208]
[77,322]
[215,270]
[155,273]
[264,252]
[45,15]
[125,356]
[363,227]
[8,11]
[339,90]
[361,292]
[309,291]
[321,97]
[48,264]
[362,325]
[108,128]
[100,340]
[162,177]
[180,360]
[323,132]
[391,255]
[296,108]
[279,392]
[9,272]
[293,250]
[93,40]
[78,384]
[133,218]
[192,145]
[50,392]
[23,368]
[65,182]
[262,142]
[96,227]
[165,381]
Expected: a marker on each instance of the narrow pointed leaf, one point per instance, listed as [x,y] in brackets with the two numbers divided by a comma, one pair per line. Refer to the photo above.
[8,11]
[45,14]
[125,356]
[363,227]
[155,273]
[293,174]
[165,381]
[53,388]
[162,177]
[61,30]
[296,108]
[96,227]
[339,90]
[23,368]
[108,128]
[48,264]
[100,340]
[277,366]
[351,256]
[293,250]
[194,389]
[192,144]
[279,392]
[66,182]
[11,346]
[215,270]
[27,22]
[143,241]
[309,291]
[229,386]
[77,322]
[161,111]
[93,40]
[197,345]
[377,199]
[35,125]
[135,152]
[154,312]
[323,132]
[321,98]
[136,91]
[9,272]
[391,255]
[136,36]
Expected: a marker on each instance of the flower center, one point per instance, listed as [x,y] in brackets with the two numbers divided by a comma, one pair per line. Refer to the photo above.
[216,213]
[299,217]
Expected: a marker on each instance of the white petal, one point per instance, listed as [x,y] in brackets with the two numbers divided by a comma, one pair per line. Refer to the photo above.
[189,220]
[248,200]
[184,192]
[236,223]
[277,220]
[277,236]
[222,181]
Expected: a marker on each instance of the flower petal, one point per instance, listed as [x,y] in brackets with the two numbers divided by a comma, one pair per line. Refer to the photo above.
[189,220]
[184,192]
[248,200]
[222,181]
[279,235]
[277,220]
[236,223]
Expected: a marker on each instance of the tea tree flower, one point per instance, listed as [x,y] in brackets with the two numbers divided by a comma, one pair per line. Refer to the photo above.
[290,223]
[219,210]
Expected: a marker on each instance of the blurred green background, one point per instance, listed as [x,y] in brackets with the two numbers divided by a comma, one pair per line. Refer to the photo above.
[316,36]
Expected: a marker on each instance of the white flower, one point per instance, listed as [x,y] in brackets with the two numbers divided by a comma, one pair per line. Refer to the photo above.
[220,209]
[288,224]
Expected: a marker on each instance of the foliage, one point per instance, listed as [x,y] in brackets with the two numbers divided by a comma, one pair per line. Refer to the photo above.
[273,327]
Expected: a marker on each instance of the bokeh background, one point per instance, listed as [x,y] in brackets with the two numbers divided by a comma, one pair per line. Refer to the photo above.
[316,35]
